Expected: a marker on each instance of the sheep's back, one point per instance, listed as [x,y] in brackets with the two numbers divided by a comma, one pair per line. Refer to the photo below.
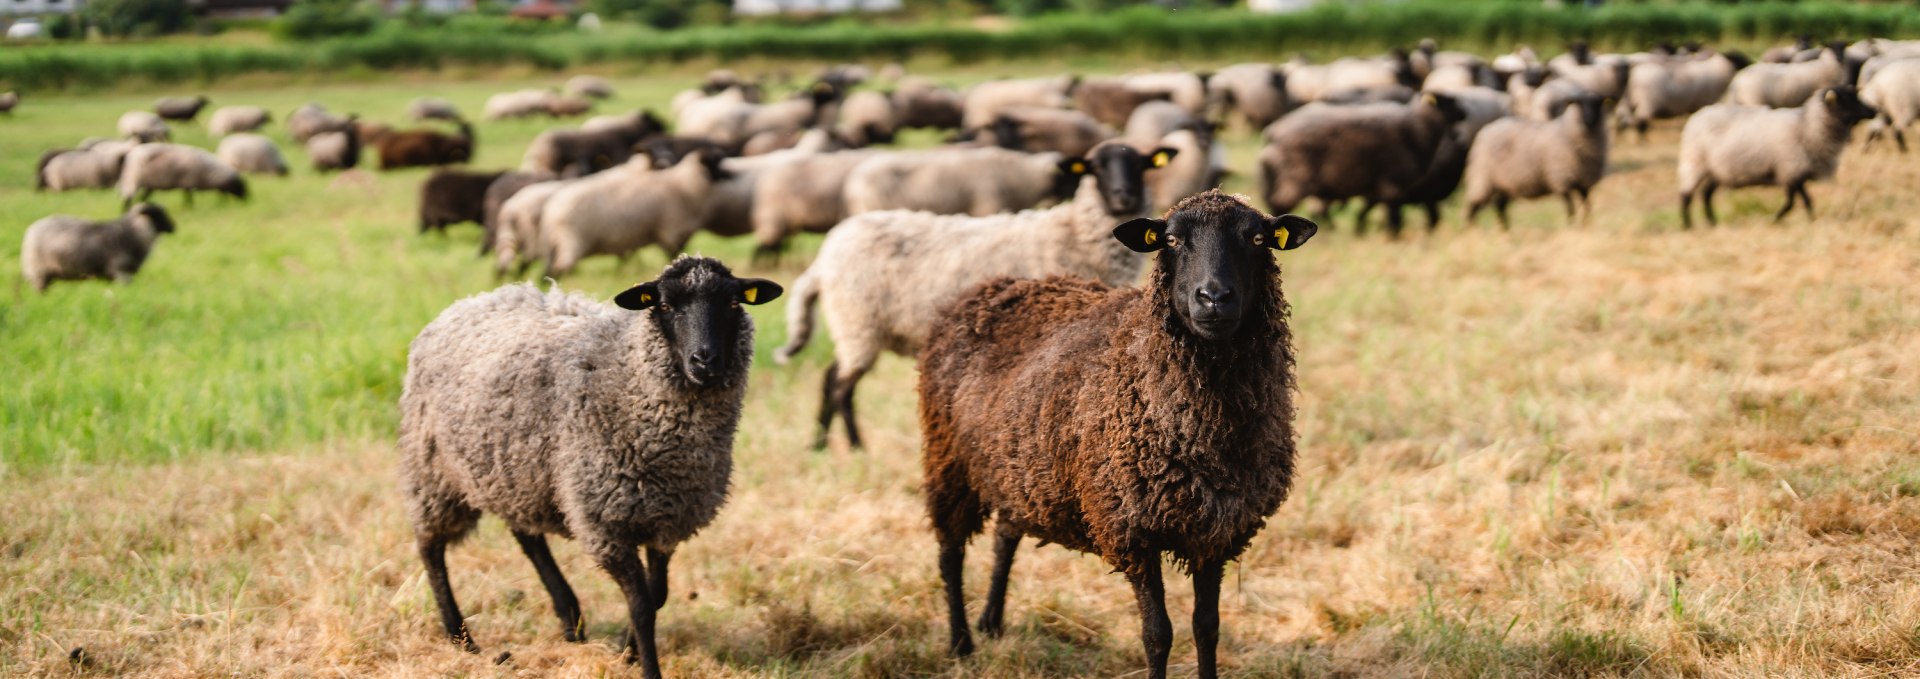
[1740,145]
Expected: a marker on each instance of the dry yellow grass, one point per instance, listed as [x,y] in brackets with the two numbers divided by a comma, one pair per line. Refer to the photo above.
[1612,450]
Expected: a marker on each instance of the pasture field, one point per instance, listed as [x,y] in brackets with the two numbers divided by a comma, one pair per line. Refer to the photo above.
[1615,449]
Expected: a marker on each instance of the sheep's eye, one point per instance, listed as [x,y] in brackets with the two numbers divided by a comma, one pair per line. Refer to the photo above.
[1172,242]
[664,306]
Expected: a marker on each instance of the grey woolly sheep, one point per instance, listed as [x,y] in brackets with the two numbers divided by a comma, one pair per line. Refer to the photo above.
[1256,92]
[1109,100]
[1730,145]
[72,248]
[312,119]
[159,167]
[252,154]
[805,195]
[1309,83]
[1672,89]
[1198,164]
[881,277]
[516,238]
[1895,92]
[498,192]
[983,102]
[232,119]
[563,415]
[91,168]
[143,127]
[179,108]
[335,150]
[1180,87]
[1514,158]
[922,103]
[1156,119]
[627,208]
[577,153]
[1044,130]
[1788,85]
[591,86]
[1378,152]
[518,104]
[974,182]
[867,118]
[432,108]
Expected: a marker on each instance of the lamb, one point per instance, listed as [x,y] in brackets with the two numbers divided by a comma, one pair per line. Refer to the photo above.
[1119,421]
[562,415]
[921,103]
[252,154]
[1788,85]
[234,119]
[70,169]
[413,148]
[976,182]
[313,119]
[1257,92]
[1372,151]
[882,276]
[805,195]
[1730,145]
[627,208]
[1515,158]
[590,86]
[144,127]
[1043,130]
[450,197]
[72,248]
[517,237]
[867,118]
[577,153]
[432,108]
[335,150]
[158,167]
[985,101]
[179,108]
[496,197]
[1895,92]
[1673,89]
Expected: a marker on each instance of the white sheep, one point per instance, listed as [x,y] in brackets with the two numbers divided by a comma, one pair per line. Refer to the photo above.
[805,195]
[312,119]
[1895,92]
[1513,158]
[974,182]
[233,119]
[143,126]
[519,104]
[1257,92]
[1180,87]
[1676,88]
[517,239]
[1730,145]
[97,167]
[625,209]
[252,154]
[72,248]
[158,167]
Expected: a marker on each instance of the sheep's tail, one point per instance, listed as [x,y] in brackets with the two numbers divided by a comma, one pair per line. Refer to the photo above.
[806,291]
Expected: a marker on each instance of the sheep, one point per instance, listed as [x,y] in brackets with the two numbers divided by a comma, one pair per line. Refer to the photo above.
[72,248]
[1110,101]
[371,131]
[1550,99]
[867,118]
[843,76]
[252,154]
[729,206]
[731,121]
[976,182]
[1673,89]
[1382,94]
[1196,166]
[1372,151]
[144,127]
[562,415]
[517,239]
[1788,85]
[1041,130]
[432,108]
[1605,75]
[589,86]
[517,104]
[70,169]
[1895,93]
[335,150]
[1730,146]
[1309,83]
[983,102]
[179,108]
[313,119]
[1515,158]
[1124,422]
[9,100]
[921,103]
[411,148]
[577,153]
[450,197]
[233,119]
[158,167]
[1186,89]
[1460,76]
[881,276]
[568,107]
[627,208]
[496,197]
[1257,92]
[1784,53]
[807,194]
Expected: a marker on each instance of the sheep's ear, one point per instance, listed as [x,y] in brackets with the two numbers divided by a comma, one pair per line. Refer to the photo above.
[1073,166]
[1142,235]
[758,291]
[640,297]
[1287,232]
[1162,156]
[1832,98]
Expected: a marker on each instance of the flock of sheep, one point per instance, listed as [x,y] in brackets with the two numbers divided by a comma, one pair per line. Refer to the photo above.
[1055,397]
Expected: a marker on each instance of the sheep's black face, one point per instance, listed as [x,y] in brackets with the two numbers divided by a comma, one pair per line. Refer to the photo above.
[695,305]
[1121,174]
[1214,253]
[1844,102]
[155,215]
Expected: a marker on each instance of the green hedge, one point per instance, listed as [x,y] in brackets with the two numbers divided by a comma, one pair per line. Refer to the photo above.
[1144,31]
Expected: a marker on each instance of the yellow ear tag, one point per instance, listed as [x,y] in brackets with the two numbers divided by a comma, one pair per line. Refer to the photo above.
[1149,236]
[1160,160]
[646,298]
[750,294]
[1078,168]
[1280,236]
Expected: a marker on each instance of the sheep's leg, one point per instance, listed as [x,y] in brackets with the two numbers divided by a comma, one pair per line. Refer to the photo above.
[1395,220]
[953,555]
[1706,203]
[657,575]
[1573,210]
[1206,615]
[1900,137]
[957,515]
[1500,210]
[826,405]
[1433,216]
[843,384]
[433,551]
[1156,631]
[1006,541]
[1586,207]
[1806,200]
[1784,209]
[1472,212]
[1360,218]
[625,567]
[1686,209]
[565,605]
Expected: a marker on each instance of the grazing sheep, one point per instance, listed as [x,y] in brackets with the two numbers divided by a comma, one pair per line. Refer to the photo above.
[1788,85]
[805,195]
[867,118]
[589,86]
[627,208]
[1373,151]
[1673,89]
[518,104]
[414,148]
[1895,93]
[985,101]
[432,108]
[252,154]
[72,248]
[1730,146]
[844,76]
[1111,101]
[70,169]
[976,182]
[568,107]
[882,276]
[562,415]
[1257,92]
[234,119]
[144,127]
[1515,158]
[922,103]
[8,101]
[1125,422]
[313,119]
[517,239]
[449,197]
[160,167]
[578,153]
[335,150]
[496,197]
[1044,130]
[179,108]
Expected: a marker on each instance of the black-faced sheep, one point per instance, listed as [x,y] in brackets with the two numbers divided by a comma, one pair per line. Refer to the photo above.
[563,415]
[578,153]
[1730,146]
[1049,130]
[627,208]
[1895,92]
[922,103]
[450,197]
[868,118]
[974,182]
[335,149]
[1373,151]
[1788,85]
[881,276]
[1514,158]
[235,119]
[72,248]
[1132,423]
[498,192]
[252,154]
[985,101]
[90,168]
[159,167]
[805,195]
[1673,89]
[312,119]
[179,108]
[1257,93]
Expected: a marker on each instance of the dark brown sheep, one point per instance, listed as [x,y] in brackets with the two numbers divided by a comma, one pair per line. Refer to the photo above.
[450,197]
[1377,152]
[415,148]
[179,108]
[1123,422]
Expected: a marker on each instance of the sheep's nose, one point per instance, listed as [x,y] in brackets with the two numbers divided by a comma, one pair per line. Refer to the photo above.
[703,356]
[1213,294]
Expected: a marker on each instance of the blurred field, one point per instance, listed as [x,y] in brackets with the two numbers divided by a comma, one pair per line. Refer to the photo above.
[1612,450]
